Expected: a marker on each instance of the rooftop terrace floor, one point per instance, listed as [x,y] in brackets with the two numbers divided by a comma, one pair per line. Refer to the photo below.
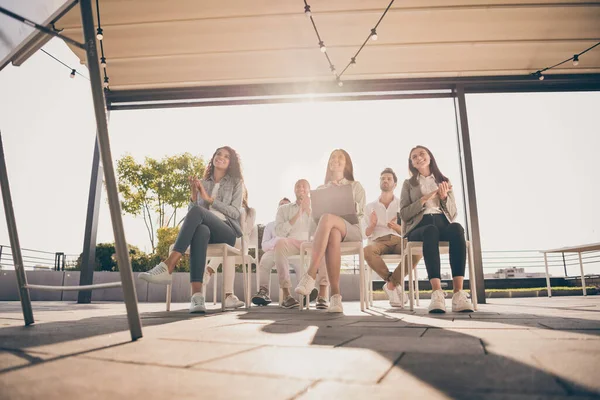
[526,348]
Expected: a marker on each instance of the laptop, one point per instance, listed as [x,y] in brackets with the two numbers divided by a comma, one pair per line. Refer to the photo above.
[336,200]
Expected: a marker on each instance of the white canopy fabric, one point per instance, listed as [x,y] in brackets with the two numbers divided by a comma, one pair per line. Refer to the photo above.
[188,43]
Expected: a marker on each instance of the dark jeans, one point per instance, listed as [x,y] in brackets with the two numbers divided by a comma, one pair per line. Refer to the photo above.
[434,228]
[199,229]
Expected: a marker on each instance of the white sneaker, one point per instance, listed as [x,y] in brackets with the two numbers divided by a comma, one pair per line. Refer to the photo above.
[438,302]
[392,295]
[400,293]
[335,304]
[305,286]
[197,304]
[159,274]
[461,303]
[232,301]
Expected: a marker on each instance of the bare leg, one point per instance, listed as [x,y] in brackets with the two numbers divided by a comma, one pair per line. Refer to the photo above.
[457,283]
[285,292]
[172,260]
[436,284]
[323,291]
[196,287]
[320,242]
[333,260]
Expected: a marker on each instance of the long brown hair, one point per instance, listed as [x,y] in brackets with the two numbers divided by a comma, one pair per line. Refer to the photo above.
[234,170]
[433,167]
[245,201]
[348,169]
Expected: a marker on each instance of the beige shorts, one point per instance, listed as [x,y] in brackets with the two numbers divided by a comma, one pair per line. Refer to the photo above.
[353,233]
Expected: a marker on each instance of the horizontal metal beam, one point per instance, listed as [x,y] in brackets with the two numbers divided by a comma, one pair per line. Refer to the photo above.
[119,99]
[246,101]
[75,288]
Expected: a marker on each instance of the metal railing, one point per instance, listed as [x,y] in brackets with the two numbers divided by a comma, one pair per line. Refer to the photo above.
[37,259]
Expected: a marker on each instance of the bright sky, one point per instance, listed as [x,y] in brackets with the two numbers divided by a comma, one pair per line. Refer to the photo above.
[534,154]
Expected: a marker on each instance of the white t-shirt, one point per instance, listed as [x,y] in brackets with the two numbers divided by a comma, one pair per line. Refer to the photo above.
[219,214]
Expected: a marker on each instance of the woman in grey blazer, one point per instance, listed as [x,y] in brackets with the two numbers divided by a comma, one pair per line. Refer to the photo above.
[428,209]
[213,217]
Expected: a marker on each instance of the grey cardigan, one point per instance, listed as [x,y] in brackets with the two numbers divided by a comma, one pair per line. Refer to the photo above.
[411,209]
[228,200]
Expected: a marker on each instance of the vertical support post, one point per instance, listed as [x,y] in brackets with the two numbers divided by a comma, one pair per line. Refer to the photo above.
[88,259]
[14,240]
[564,264]
[466,159]
[129,293]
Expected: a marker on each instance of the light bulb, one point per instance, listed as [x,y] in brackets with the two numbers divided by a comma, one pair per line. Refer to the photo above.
[373,34]
[541,77]
[575,60]
[72,75]
[322,47]
[333,70]
[103,62]
[353,61]
[105,84]
[307,11]
[99,34]
[339,82]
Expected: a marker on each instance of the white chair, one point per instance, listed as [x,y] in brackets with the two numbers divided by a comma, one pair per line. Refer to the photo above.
[347,248]
[411,248]
[252,241]
[223,251]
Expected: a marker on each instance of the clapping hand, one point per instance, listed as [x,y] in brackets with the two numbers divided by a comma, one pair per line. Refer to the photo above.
[373,219]
[394,225]
[305,205]
[443,190]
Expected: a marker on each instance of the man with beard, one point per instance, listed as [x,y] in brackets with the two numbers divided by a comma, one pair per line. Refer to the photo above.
[383,231]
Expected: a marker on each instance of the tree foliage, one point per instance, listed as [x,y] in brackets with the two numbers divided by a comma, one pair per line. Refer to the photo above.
[156,189]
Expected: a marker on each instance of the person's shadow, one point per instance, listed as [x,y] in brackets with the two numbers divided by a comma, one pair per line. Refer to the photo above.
[428,348]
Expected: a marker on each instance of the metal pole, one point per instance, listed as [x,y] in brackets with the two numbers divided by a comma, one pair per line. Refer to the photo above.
[14,240]
[88,258]
[564,264]
[466,160]
[129,293]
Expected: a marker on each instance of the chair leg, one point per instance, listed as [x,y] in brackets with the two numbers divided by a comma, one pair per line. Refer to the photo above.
[402,269]
[472,280]
[411,294]
[361,270]
[225,266]
[416,283]
[300,297]
[582,275]
[169,287]
[215,283]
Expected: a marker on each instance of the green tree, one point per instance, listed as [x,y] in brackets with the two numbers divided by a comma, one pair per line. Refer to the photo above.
[156,189]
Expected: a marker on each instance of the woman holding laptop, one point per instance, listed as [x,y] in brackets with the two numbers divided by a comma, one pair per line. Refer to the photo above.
[332,230]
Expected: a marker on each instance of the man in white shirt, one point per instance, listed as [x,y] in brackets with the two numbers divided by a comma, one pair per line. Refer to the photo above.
[383,231]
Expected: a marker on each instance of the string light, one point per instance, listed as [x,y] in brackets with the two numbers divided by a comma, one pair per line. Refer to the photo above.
[322,47]
[100,36]
[574,59]
[372,36]
[73,70]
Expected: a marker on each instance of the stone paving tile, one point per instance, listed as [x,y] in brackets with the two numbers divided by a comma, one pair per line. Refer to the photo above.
[79,378]
[485,334]
[168,352]
[478,373]
[352,365]
[447,345]
[568,334]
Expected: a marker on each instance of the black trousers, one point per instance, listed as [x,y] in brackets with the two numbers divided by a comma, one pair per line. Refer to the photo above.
[433,229]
